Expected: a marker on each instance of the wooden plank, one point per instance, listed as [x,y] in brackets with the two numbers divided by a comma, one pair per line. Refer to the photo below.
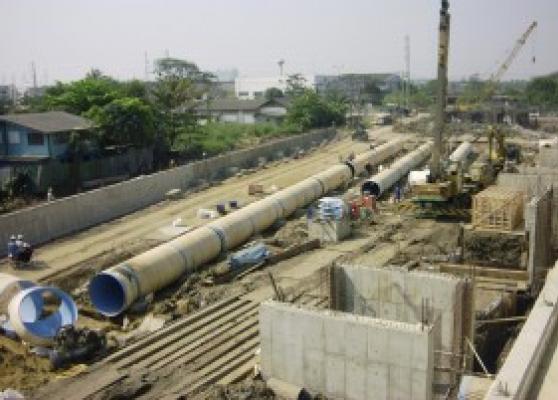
[163,342]
[480,271]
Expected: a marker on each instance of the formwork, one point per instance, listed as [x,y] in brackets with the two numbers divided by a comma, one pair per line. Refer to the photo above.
[498,208]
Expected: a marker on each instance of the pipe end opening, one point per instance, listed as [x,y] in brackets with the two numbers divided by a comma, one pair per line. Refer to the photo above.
[107,294]
[371,188]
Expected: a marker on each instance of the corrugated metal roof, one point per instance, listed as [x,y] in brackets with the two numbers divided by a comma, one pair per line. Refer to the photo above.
[240,105]
[49,122]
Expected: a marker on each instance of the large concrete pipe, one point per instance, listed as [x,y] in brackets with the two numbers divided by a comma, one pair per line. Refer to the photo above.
[30,320]
[22,310]
[364,161]
[462,152]
[115,289]
[379,183]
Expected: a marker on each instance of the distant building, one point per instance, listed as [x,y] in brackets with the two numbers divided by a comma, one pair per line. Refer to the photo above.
[365,87]
[245,111]
[38,91]
[226,75]
[222,89]
[38,136]
[254,88]
[8,94]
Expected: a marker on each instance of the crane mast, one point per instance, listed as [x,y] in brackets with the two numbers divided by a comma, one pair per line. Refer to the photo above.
[440,115]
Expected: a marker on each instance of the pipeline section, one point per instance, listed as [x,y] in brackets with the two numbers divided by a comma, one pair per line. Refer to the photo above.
[23,312]
[115,289]
[379,183]
[462,152]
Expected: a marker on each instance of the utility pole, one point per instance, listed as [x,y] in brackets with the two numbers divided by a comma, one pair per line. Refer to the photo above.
[281,63]
[407,72]
[440,115]
[146,67]
[34,75]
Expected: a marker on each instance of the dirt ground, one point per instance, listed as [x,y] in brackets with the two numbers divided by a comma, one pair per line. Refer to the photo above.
[396,237]
[70,262]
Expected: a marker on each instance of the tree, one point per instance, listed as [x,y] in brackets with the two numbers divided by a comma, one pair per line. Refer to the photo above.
[474,92]
[80,96]
[273,93]
[180,88]
[309,110]
[121,110]
[296,85]
[543,91]
[127,120]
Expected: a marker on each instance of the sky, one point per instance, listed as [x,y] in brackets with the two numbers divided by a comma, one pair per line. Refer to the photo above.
[66,38]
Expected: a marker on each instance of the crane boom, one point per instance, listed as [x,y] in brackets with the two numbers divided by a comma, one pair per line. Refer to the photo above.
[495,78]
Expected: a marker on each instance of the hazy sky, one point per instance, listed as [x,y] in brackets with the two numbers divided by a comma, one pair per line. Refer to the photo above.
[65,38]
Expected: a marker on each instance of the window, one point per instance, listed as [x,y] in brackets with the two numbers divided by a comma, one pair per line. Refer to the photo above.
[13,137]
[61,138]
[243,94]
[258,94]
[1,137]
[35,139]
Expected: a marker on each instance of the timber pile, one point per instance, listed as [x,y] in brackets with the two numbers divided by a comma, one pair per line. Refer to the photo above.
[498,209]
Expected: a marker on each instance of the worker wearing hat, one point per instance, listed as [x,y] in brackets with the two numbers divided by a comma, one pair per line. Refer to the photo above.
[12,247]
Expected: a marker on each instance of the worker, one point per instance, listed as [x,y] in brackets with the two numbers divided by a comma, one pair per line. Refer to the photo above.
[25,253]
[310,213]
[19,242]
[397,193]
[12,248]
[50,195]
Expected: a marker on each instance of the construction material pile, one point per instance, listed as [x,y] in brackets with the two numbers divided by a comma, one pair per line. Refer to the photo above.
[498,208]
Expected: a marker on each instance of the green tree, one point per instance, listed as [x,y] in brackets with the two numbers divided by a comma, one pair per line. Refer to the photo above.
[543,91]
[126,120]
[296,85]
[80,96]
[121,110]
[181,87]
[309,110]
[273,93]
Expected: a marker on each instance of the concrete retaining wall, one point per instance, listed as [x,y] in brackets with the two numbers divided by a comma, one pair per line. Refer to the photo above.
[548,157]
[399,295]
[538,222]
[50,221]
[345,356]
[516,377]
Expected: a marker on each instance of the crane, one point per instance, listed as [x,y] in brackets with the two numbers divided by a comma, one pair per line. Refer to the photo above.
[494,79]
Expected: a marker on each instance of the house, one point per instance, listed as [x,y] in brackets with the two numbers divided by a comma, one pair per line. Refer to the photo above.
[255,88]
[38,136]
[245,111]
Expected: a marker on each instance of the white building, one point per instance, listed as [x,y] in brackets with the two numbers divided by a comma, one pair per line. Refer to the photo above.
[254,88]
[244,111]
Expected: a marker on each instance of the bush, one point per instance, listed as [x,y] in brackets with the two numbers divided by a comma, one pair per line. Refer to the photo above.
[218,137]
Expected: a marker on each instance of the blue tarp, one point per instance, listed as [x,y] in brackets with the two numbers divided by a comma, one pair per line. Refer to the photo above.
[249,256]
